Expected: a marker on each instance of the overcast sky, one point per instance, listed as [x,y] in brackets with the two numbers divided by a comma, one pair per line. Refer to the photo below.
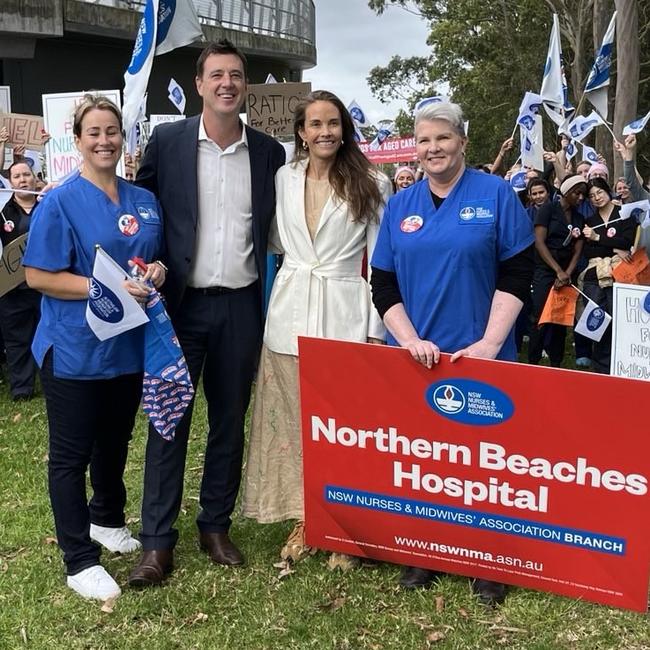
[351,39]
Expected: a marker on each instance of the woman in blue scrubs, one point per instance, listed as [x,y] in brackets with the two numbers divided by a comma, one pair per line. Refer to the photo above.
[452,266]
[92,388]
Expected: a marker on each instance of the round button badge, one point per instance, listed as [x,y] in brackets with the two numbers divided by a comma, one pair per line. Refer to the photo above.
[128,225]
[411,224]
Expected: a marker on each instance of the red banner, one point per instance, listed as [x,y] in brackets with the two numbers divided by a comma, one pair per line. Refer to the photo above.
[391,150]
[520,474]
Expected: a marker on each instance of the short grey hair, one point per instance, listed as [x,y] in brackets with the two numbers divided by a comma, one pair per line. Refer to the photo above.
[446,111]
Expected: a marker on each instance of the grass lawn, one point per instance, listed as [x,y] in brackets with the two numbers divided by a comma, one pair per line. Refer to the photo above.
[205,606]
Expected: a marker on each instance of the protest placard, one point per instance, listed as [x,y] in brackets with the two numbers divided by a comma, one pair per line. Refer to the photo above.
[631,331]
[58,111]
[481,468]
[155,120]
[636,271]
[270,107]
[391,150]
[12,272]
[25,130]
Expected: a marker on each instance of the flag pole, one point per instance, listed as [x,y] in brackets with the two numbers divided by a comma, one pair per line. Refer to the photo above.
[584,295]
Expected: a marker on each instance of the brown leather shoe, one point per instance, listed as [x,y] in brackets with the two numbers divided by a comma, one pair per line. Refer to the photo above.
[220,549]
[153,568]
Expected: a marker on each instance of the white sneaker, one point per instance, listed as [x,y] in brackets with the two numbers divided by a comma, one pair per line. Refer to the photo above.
[116,540]
[94,582]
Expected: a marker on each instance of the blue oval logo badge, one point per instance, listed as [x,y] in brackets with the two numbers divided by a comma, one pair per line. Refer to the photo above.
[104,303]
[469,402]
[595,319]
[646,302]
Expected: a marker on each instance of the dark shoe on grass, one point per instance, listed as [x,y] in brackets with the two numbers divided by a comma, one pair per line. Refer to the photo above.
[489,593]
[416,578]
[153,568]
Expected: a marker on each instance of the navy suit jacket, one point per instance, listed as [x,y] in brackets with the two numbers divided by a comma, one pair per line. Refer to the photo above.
[168,170]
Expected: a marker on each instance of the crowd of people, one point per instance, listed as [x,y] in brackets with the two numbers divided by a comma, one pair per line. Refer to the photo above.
[208,198]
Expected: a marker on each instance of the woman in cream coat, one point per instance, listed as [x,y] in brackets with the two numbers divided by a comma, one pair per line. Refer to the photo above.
[329,201]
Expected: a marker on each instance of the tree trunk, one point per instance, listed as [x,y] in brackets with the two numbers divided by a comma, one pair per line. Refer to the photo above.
[627,69]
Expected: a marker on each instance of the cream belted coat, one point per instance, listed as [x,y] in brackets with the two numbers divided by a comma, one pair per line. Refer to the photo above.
[319,290]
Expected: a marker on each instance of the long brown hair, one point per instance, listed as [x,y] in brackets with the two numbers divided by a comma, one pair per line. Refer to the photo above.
[351,175]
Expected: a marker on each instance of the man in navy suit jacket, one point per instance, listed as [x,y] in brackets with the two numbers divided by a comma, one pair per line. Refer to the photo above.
[214,178]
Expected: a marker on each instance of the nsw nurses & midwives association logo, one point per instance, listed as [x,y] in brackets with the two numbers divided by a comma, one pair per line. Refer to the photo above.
[468,401]
[467,214]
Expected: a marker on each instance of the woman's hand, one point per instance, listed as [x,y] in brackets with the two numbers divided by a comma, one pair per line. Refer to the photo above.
[139,290]
[626,256]
[482,349]
[424,352]
[562,279]
[590,234]
[157,273]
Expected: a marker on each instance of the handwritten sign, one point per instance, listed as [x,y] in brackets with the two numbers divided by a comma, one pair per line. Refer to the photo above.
[637,271]
[58,110]
[155,120]
[12,272]
[270,108]
[23,130]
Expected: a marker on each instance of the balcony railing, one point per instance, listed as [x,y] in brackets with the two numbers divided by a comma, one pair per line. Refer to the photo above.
[291,19]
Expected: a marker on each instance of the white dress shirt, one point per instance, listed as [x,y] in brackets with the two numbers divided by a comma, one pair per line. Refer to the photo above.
[224,233]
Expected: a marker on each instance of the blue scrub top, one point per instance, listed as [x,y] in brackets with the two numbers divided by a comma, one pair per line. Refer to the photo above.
[447,260]
[64,230]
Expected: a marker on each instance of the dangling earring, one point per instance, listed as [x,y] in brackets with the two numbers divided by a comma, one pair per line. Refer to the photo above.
[304,145]
[342,141]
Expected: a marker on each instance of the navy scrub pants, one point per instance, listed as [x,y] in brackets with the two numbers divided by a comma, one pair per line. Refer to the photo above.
[90,425]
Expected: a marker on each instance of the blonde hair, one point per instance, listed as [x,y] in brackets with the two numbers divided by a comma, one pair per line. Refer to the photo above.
[90,102]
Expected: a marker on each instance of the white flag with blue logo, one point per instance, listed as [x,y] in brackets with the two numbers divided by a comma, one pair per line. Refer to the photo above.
[552,88]
[518,181]
[435,99]
[532,145]
[637,126]
[176,95]
[582,126]
[638,209]
[358,136]
[111,309]
[598,80]
[178,25]
[529,107]
[571,150]
[165,25]
[589,153]
[357,114]
[594,322]
[385,131]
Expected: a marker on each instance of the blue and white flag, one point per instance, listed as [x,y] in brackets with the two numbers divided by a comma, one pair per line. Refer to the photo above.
[552,85]
[167,388]
[435,99]
[518,181]
[532,145]
[589,153]
[594,322]
[385,131]
[111,309]
[529,107]
[178,25]
[598,80]
[176,95]
[571,151]
[165,25]
[358,136]
[582,126]
[357,114]
[639,210]
[637,126]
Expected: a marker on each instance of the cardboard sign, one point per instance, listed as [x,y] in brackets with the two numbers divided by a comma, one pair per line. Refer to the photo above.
[391,150]
[26,130]
[58,112]
[270,107]
[631,332]
[560,306]
[12,272]
[480,468]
